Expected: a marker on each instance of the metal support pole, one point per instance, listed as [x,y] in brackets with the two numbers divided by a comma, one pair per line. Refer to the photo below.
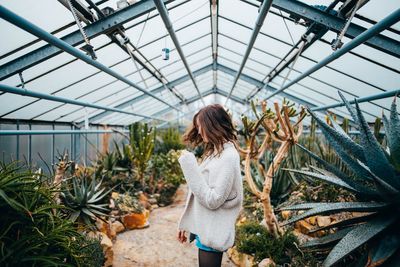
[361,99]
[168,24]
[374,30]
[19,91]
[42,34]
[259,22]
[54,132]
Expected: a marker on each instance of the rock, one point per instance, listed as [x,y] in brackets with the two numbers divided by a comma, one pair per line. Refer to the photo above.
[267,262]
[112,204]
[136,220]
[154,206]
[152,201]
[117,226]
[303,226]
[240,259]
[114,195]
[323,221]
[105,228]
[286,214]
[311,220]
[107,245]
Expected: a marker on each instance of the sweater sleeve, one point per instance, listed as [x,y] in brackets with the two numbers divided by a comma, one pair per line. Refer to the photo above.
[211,197]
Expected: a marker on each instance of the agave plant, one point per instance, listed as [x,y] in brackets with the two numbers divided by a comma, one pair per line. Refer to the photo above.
[85,200]
[375,180]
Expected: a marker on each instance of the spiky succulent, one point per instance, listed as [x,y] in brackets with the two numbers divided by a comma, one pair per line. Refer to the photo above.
[375,181]
[85,199]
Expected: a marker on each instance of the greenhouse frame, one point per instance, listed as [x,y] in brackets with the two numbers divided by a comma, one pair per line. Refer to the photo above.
[277,120]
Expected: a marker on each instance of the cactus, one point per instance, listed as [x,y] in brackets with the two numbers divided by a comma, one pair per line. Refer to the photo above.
[141,141]
[279,129]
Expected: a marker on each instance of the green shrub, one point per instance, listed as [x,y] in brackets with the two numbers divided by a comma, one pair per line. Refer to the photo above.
[254,239]
[32,230]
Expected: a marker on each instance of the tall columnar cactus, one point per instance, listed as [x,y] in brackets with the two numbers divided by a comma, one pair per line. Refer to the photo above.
[278,128]
[375,180]
[141,141]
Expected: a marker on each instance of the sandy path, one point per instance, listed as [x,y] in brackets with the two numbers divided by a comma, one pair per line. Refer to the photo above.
[157,245]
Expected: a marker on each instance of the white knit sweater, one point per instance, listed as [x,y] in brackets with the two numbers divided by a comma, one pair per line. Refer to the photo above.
[215,197]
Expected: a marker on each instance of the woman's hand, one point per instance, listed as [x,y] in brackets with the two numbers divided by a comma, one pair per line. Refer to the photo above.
[182,236]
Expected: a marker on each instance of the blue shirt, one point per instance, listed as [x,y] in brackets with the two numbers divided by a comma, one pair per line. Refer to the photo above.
[203,247]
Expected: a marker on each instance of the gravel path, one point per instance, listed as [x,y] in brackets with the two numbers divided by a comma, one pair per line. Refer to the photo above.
[157,245]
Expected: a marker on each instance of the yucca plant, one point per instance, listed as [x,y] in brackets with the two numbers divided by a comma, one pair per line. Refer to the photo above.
[85,200]
[375,180]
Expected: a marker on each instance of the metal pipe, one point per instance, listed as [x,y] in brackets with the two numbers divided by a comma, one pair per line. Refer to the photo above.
[51,132]
[19,91]
[374,30]
[259,22]
[361,99]
[168,25]
[38,32]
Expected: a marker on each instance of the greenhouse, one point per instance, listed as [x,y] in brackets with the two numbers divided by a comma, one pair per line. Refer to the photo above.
[104,104]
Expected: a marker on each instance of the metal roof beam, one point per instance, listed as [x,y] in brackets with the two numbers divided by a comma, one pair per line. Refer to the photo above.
[162,10]
[361,99]
[97,28]
[154,91]
[25,92]
[265,6]
[371,32]
[35,30]
[336,24]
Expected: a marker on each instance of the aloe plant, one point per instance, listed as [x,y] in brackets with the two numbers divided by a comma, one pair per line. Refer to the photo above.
[375,180]
[85,200]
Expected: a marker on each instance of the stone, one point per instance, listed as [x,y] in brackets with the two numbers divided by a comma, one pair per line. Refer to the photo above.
[152,201]
[118,227]
[114,195]
[323,221]
[136,220]
[311,220]
[105,228]
[154,206]
[240,259]
[303,226]
[286,214]
[267,262]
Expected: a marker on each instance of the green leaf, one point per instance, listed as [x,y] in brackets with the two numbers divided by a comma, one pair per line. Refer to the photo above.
[327,240]
[329,179]
[329,208]
[392,130]
[345,142]
[374,155]
[357,237]
[333,169]
[385,248]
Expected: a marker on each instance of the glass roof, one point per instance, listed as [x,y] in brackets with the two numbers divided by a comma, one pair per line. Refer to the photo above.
[363,71]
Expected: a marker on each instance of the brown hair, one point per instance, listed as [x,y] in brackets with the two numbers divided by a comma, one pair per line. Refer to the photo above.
[217,126]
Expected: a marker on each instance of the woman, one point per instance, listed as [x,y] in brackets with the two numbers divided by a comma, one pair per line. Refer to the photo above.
[215,194]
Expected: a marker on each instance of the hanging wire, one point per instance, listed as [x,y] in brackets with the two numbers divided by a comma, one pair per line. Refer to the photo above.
[287,27]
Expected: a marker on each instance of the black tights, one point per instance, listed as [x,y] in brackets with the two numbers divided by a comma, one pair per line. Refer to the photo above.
[210,258]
